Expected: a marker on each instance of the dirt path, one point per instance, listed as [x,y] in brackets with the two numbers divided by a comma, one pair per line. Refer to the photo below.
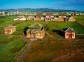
[22,53]
[73,56]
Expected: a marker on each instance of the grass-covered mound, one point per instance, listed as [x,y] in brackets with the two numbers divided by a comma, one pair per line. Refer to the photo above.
[52,50]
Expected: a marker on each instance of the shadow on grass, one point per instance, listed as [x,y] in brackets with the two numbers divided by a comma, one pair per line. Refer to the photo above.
[65,29]
[25,29]
[59,32]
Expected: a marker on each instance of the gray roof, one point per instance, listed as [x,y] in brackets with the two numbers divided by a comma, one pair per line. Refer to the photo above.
[70,30]
[10,27]
[35,28]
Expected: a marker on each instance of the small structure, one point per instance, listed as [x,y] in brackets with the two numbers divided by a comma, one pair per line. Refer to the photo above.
[38,18]
[10,29]
[35,32]
[30,18]
[2,14]
[21,18]
[66,18]
[72,18]
[42,18]
[47,18]
[69,34]
[60,18]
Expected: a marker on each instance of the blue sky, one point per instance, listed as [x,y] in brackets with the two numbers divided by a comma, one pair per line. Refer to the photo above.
[56,4]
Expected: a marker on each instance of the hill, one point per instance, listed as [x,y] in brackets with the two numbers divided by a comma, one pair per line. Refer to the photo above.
[38,10]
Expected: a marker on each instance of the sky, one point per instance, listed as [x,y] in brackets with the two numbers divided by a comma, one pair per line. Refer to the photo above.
[54,4]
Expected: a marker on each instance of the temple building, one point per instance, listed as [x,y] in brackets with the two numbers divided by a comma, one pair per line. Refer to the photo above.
[35,31]
[69,34]
[10,29]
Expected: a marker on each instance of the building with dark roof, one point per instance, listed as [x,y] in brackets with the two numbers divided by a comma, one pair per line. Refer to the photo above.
[35,31]
[69,33]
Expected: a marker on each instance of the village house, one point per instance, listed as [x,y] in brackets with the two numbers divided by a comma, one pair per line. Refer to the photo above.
[68,13]
[82,13]
[69,33]
[35,31]
[60,18]
[21,18]
[49,17]
[10,29]
[43,18]
[64,18]
[2,14]
[55,19]
[72,18]
[30,18]
[38,18]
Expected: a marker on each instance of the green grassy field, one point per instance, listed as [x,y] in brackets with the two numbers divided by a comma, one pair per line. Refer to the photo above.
[10,45]
[80,20]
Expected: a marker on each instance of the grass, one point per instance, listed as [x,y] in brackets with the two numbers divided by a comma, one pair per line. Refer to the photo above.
[62,25]
[10,45]
[49,50]
[80,20]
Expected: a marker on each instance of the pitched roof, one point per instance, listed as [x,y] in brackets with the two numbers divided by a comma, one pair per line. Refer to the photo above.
[70,30]
[10,27]
[35,28]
